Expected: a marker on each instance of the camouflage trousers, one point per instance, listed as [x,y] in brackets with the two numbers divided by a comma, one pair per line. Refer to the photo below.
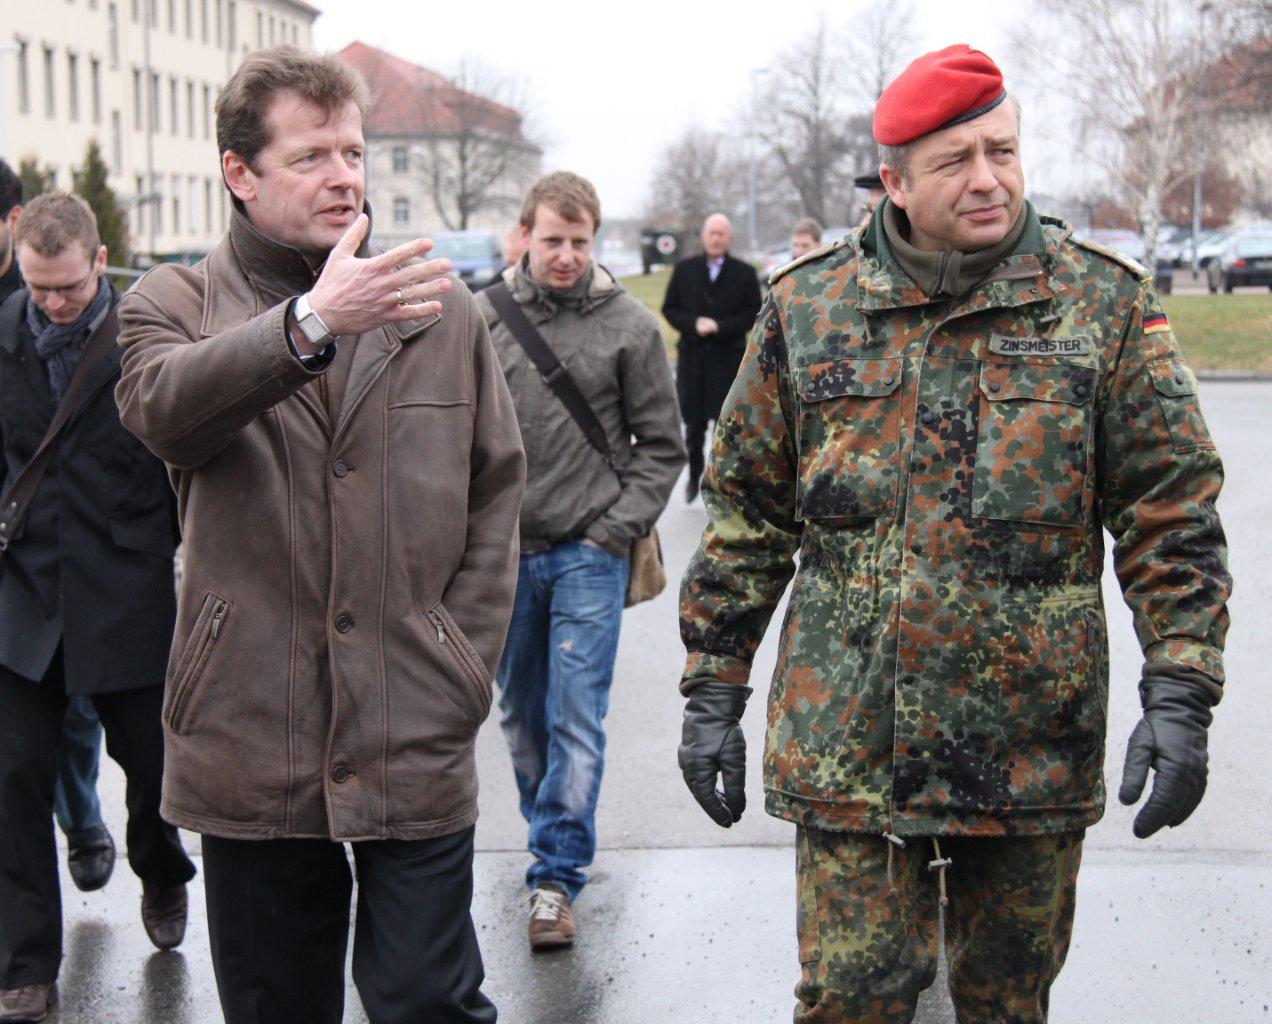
[868,914]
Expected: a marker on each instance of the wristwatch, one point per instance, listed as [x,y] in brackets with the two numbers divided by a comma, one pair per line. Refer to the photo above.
[311,325]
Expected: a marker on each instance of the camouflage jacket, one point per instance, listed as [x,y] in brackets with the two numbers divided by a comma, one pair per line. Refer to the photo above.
[943,470]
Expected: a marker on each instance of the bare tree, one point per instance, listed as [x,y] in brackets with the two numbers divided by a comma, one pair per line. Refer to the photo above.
[473,147]
[699,173]
[877,44]
[1140,75]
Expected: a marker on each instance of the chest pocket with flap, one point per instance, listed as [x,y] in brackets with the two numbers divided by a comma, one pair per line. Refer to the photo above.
[1033,442]
[849,438]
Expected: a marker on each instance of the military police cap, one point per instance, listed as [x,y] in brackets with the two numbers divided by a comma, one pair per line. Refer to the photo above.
[938,90]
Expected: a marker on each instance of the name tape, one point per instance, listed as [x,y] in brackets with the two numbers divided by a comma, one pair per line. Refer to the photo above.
[1001,345]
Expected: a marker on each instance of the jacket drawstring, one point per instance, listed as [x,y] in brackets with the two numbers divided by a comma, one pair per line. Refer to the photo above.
[893,843]
[939,864]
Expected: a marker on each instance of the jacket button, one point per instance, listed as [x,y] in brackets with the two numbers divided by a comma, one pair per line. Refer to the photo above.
[1179,380]
[888,380]
[340,467]
[344,623]
[340,773]
[810,388]
[929,417]
[995,387]
[916,549]
[1079,390]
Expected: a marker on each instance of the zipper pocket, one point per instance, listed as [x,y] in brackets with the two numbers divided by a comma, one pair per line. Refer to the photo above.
[462,654]
[203,642]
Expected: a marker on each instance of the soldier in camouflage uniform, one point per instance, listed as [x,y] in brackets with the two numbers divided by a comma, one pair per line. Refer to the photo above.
[939,415]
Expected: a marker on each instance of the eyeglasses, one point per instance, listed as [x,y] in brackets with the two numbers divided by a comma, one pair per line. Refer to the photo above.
[66,291]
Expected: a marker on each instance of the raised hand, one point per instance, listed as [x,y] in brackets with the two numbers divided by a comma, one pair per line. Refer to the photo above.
[354,295]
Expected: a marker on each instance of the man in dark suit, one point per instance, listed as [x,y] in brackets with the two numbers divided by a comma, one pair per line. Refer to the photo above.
[86,594]
[712,301]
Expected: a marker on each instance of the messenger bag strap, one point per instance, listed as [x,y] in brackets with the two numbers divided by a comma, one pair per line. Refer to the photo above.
[551,369]
[18,497]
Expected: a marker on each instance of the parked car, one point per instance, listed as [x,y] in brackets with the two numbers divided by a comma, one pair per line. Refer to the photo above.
[1174,244]
[1128,243]
[1245,259]
[476,256]
[1209,244]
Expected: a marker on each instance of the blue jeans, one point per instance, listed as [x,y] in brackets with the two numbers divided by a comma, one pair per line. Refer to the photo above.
[79,752]
[554,683]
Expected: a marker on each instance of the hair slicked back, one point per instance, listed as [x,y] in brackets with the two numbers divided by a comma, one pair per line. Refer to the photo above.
[324,80]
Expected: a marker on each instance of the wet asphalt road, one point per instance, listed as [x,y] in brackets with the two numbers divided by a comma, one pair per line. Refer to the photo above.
[686,922]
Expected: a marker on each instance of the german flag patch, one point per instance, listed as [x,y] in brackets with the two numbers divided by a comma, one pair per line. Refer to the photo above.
[1156,323]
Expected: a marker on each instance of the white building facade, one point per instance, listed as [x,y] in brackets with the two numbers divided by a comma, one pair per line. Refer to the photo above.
[141,77]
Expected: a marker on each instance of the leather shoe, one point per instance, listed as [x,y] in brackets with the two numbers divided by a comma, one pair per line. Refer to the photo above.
[91,858]
[691,490]
[163,912]
[28,1003]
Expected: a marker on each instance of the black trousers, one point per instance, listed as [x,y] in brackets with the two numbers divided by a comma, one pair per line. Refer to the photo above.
[30,726]
[695,437]
[278,918]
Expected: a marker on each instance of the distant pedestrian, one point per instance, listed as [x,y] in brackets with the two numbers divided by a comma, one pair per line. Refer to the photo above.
[806,236]
[711,300]
[937,421]
[514,247]
[87,533]
[350,468]
[581,513]
[872,185]
[90,848]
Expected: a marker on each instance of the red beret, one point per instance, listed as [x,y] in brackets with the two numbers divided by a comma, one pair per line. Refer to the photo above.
[939,89]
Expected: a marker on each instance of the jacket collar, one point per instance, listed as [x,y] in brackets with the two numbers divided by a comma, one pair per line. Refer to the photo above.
[544,302]
[883,285]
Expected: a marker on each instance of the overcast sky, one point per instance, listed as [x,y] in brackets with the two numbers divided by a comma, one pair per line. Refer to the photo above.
[612,83]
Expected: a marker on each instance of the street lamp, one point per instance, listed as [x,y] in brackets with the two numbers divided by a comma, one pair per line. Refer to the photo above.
[1197,121]
[750,176]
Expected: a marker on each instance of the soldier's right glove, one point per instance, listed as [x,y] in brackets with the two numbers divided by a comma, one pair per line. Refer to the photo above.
[1171,738]
[711,744]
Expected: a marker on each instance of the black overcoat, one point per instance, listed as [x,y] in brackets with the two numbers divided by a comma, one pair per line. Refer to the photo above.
[705,367]
[91,563]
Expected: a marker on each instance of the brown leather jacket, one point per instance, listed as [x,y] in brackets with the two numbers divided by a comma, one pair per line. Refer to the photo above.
[347,584]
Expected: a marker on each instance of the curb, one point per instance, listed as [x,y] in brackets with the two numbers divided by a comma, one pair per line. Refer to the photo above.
[1234,375]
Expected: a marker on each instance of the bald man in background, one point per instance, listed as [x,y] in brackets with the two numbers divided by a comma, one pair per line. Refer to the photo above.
[712,301]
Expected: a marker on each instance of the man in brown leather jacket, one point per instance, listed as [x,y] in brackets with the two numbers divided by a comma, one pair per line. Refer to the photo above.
[348,467]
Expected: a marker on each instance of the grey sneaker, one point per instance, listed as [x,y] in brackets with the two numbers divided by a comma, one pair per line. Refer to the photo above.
[551,923]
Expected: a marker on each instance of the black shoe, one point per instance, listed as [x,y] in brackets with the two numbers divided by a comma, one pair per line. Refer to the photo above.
[163,913]
[28,1004]
[91,858]
[691,490]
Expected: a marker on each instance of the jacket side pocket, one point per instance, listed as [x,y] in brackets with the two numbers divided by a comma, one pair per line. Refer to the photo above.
[209,626]
[466,660]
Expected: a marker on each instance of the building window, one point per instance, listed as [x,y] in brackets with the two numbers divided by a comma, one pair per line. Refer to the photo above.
[172,16]
[207,112]
[231,24]
[156,203]
[260,30]
[271,30]
[189,22]
[135,11]
[50,84]
[173,87]
[176,205]
[24,80]
[203,21]
[207,205]
[95,85]
[152,13]
[72,85]
[112,32]
[138,121]
[399,160]
[116,143]
[220,7]
[401,211]
[192,205]
[139,205]
[154,102]
[191,123]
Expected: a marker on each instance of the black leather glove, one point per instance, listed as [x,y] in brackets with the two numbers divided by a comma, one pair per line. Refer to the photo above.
[1171,737]
[711,744]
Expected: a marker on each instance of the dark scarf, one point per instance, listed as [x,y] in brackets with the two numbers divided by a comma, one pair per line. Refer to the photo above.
[60,345]
[947,274]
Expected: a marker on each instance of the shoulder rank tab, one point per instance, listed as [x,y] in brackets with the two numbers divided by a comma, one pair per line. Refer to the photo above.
[1133,266]
[808,257]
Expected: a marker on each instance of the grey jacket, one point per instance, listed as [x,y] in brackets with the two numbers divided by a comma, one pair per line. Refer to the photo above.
[614,351]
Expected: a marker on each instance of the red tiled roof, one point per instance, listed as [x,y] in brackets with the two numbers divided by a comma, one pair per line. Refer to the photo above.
[410,100]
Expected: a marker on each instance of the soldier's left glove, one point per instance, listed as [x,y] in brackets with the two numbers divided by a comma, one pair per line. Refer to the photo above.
[1171,738]
[711,744]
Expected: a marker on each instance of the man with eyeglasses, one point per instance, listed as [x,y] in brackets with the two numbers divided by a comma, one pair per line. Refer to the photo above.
[87,605]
